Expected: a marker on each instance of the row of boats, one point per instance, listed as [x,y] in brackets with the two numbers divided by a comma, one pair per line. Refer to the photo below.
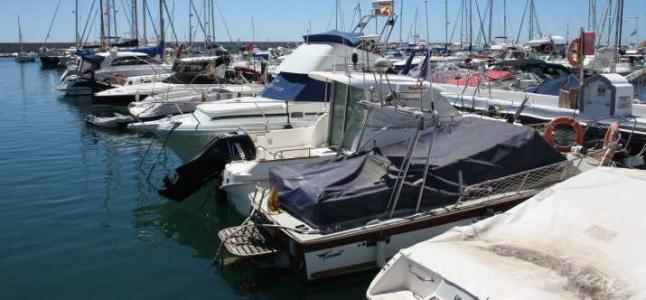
[461,176]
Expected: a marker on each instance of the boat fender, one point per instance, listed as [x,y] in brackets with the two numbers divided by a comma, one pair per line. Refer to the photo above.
[559,121]
[611,135]
[572,55]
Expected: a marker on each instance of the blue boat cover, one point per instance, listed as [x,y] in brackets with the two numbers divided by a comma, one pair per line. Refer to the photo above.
[339,194]
[295,87]
[553,86]
[334,36]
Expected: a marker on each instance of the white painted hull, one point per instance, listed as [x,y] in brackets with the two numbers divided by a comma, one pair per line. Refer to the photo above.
[242,181]
[539,107]
[361,255]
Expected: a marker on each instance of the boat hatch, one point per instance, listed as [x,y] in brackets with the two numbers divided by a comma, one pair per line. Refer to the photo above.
[245,241]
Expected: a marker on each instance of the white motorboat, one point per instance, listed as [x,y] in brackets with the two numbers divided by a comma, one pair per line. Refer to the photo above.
[241,179]
[291,100]
[99,71]
[352,212]
[579,239]
[408,175]
[191,76]
[185,101]
[607,99]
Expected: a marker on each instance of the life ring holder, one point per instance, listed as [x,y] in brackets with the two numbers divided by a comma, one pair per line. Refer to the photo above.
[560,121]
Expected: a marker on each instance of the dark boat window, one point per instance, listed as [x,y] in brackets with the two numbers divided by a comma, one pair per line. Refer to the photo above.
[295,87]
[133,60]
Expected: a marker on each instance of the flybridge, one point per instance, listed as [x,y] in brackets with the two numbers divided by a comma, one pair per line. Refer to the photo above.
[350,39]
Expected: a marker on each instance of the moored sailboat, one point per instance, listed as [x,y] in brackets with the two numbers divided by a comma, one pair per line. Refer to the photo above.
[22,56]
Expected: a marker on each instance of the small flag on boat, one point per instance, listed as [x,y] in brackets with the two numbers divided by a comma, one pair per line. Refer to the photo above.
[382,8]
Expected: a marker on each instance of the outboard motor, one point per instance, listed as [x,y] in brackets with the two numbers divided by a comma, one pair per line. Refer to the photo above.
[208,165]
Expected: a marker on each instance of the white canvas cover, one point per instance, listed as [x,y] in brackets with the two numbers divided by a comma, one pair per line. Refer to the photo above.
[584,238]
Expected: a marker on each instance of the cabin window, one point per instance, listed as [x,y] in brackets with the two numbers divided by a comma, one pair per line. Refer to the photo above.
[601,91]
[133,60]
[347,116]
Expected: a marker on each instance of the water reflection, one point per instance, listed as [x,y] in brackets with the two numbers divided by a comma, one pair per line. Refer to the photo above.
[23,90]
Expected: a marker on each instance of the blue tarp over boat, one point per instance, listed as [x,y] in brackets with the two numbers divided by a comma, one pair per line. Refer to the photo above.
[333,195]
[553,86]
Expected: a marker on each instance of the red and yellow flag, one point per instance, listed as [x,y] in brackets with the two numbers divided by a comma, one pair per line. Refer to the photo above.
[383,8]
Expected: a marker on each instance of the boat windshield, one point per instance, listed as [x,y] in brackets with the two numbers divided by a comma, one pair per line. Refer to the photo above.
[295,87]
[347,116]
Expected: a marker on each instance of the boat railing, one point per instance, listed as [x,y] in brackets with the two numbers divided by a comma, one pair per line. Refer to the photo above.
[281,153]
[519,183]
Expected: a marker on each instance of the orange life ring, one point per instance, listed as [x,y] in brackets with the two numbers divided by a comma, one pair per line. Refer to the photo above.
[549,132]
[572,52]
[611,134]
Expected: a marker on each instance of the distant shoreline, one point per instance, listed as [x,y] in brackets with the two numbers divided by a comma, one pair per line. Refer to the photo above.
[33,47]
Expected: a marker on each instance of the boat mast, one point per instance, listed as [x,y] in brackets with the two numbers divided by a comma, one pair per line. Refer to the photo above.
[135,21]
[212,12]
[102,37]
[207,22]
[161,29]
[504,20]
[190,23]
[114,16]
[415,27]
[401,24]
[253,31]
[428,33]
[462,23]
[446,25]
[76,23]
[20,37]
[106,15]
[490,21]
[470,25]
[336,14]
[144,11]
[619,28]
[610,9]
[530,34]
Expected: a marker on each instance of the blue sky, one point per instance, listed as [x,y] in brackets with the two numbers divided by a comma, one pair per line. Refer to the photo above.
[288,19]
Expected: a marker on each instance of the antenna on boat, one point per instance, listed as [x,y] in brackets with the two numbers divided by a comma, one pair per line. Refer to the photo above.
[446,26]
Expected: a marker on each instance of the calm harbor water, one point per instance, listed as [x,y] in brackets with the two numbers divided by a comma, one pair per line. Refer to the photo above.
[81,220]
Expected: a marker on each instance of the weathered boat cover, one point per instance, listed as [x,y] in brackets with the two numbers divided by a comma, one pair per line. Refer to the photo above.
[580,239]
[335,195]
